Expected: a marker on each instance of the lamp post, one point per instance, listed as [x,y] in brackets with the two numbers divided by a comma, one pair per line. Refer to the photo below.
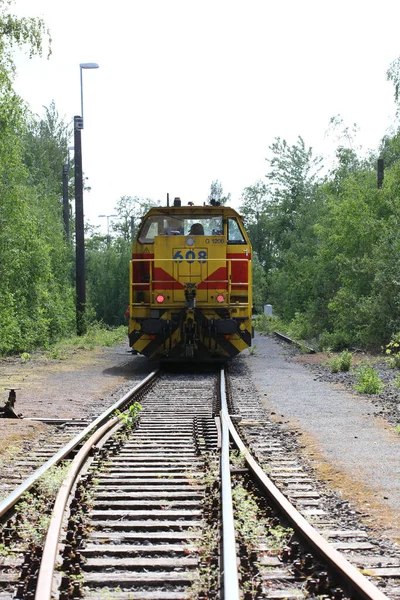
[108,217]
[79,220]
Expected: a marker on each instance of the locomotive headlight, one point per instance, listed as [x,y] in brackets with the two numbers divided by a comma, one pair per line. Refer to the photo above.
[189,241]
[160,298]
[220,298]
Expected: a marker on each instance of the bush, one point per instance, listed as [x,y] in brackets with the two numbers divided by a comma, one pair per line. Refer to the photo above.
[265,324]
[335,340]
[368,381]
[299,328]
[393,350]
[342,362]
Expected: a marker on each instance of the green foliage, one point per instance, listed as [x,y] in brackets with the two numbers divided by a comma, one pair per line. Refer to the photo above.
[217,193]
[129,211]
[35,506]
[259,286]
[393,350]
[257,210]
[36,296]
[393,75]
[265,324]
[368,380]
[342,362]
[299,327]
[97,335]
[131,416]
[396,382]
[108,279]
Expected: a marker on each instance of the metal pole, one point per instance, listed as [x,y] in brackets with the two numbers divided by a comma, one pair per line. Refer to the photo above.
[65,201]
[80,232]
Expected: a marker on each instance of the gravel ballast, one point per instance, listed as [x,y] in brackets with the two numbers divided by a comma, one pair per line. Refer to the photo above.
[346,440]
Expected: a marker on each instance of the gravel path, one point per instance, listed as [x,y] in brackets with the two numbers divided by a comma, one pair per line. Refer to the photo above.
[348,444]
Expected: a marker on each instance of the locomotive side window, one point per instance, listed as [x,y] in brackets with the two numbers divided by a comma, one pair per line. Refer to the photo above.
[235,235]
[151,227]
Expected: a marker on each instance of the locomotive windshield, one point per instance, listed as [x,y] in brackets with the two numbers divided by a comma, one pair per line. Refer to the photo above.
[179,225]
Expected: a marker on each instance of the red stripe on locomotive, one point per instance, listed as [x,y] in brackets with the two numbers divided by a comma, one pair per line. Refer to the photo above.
[215,281]
[239,269]
[164,281]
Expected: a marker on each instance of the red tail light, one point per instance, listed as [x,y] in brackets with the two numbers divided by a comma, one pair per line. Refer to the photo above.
[160,298]
[220,298]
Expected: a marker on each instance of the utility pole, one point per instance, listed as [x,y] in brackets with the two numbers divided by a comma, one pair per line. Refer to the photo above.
[79,229]
[380,172]
[65,201]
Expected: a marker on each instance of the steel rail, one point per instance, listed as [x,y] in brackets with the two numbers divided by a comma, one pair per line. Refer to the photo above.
[230,570]
[289,340]
[12,499]
[358,582]
[49,557]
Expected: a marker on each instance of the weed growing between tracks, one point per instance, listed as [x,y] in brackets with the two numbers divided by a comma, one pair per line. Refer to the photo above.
[131,416]
[33,511]
[206,584]
[255,529]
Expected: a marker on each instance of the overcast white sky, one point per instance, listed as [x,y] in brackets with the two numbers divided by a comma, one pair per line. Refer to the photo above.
[189,91]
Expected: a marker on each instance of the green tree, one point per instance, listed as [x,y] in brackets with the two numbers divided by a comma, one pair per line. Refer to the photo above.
[259,286]
[130,210]
[108,278]
[257,210]
[46,150]
[292,178]
[217,194]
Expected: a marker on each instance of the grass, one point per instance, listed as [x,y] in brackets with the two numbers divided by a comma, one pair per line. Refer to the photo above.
[98,335]
[34,508]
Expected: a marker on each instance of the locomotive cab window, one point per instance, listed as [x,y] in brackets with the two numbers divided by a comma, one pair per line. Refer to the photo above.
[151,227]
[235,235]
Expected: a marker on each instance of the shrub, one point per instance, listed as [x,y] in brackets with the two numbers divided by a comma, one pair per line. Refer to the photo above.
[299,327]
[393,350]
[265,324]
[336,340]
[368,380]
[341,363]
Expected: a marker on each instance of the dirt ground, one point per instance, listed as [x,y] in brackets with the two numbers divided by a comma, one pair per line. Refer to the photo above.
[80,386]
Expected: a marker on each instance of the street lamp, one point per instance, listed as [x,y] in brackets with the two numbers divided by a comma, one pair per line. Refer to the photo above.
[79,221]
[108,217]
[85,66]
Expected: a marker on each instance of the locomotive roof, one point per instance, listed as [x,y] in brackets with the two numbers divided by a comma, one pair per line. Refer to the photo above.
[195,210]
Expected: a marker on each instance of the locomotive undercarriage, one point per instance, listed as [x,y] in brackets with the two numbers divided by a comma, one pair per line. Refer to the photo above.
[191,333]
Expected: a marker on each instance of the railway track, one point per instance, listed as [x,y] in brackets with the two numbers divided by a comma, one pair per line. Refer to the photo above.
[146,512]
[62,432]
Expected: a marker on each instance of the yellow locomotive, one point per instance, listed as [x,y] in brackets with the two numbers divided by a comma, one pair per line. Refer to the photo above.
[191,284]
